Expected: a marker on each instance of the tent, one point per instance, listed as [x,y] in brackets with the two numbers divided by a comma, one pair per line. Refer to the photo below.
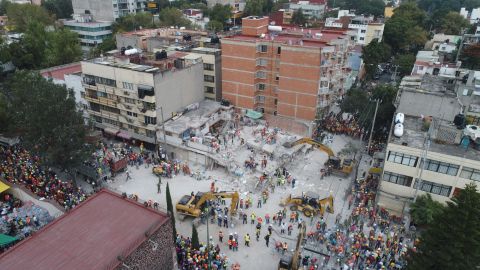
[3,187]
[254,114]
[6,239]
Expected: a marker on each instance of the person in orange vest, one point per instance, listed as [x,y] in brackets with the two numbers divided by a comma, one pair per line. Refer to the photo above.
[230,242]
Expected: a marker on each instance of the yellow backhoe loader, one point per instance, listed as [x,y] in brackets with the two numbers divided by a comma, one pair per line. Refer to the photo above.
[190,205]
[309,203]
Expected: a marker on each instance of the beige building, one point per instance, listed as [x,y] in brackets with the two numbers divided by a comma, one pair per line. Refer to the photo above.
[126,94]
[212,71]
[431,147]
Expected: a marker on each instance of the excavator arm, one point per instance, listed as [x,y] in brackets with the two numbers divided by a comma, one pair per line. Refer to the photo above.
[326,205]
[213,195]
[296,253]
[315,143]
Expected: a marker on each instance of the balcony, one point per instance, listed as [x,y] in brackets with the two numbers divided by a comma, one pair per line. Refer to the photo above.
[323,90]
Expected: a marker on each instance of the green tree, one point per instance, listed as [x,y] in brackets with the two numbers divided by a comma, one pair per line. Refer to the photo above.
[470,56]
[280,4]
[132,22]
[173,17]
[214,26]
[354,101]
[403,31]
[298,18]
[3,7]
[29,52]
[425,209]
[372,7]
[107,44]
[195,241]
[386,93]
[452,240]
[254,7]
[373,54]
[60,8]
[220,13]
[405,63]
[63,47]
[170,211]
[45,116]
[21,15]
[453,23]
[4,115]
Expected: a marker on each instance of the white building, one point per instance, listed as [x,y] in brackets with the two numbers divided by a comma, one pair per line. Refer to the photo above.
[127,93]
[108,10]
[472,16]
[365,29]
[311,9]
[90,32]
[431,147]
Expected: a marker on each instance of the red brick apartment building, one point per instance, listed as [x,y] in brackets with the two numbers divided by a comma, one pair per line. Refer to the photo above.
[295,73]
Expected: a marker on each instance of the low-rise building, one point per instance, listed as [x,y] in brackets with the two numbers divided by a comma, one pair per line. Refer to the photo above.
[90,32]
[432,153]
[365,28]
[313,9]
[237,5]
[128,92]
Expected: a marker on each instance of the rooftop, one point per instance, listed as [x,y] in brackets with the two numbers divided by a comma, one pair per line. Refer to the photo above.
[414,134]
[91,236]
[194,118]
[163,32]
[59,72]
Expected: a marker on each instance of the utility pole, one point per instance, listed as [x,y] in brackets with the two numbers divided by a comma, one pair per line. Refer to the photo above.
[424,161]
[373,125]
[394,75]
[208,235]
[163,127]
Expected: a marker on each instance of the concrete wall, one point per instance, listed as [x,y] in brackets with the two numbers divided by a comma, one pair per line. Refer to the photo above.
[101,10]
[174,90]
[154,253]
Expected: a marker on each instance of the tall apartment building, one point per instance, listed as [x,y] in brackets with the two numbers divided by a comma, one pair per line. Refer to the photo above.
[433,155]
[90,32]
[126,94]
[108,10]
[292,73]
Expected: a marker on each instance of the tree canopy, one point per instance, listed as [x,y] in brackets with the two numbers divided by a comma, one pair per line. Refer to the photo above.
[21,15]
[172,17]
[452,240]
[45,116]
[298,18]
[258,7]
[371,7]
[470,56]
[374,54]
[60,8]
[405,64]
[132,22]
[425,209]
[453,23]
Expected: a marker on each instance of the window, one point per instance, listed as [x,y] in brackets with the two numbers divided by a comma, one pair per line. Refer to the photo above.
[150,120]
[434,188]
[470,173]
[277,77]
[261,86]
[105,81]
[363,31]
[149,106]
[209,89]
[127,85]
[362,38]
[260,99]
[398,179]
[130,100]
[279,50]
[262,48]
[262,62]
[441,167]
[275,101]
[132,114]
[207,66]
[403,159]
[208,78]
[150,133]
[261,75]
[102,94]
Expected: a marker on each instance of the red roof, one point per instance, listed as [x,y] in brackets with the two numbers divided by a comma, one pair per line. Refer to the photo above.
[91,236]
[59,72]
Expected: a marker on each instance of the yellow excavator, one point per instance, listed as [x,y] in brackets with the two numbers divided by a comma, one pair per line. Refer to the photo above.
[190,205]
[293,263]
[309,203]
[312,142]
[338,166]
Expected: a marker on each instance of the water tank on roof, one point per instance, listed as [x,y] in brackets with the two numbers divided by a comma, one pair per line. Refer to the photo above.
[459,121]
[275,28]
[472,131]
[399,118]
[131,52]
[398,130]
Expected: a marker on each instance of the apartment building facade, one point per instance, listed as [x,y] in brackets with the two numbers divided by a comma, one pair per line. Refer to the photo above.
[365,28]
[108,10]
[126,99]
[212,71]
[433,155]
[90,32]
[290,73]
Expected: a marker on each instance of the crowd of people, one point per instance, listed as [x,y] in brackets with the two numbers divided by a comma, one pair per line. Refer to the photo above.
[19,166]
[191,258]
[337,124]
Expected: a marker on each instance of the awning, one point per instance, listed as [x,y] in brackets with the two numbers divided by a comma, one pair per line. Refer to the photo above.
[111,131]
[254,114]
[6,239]
[124,135]
[3,187]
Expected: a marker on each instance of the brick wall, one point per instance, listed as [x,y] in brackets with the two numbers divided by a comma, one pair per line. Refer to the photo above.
[149,255]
